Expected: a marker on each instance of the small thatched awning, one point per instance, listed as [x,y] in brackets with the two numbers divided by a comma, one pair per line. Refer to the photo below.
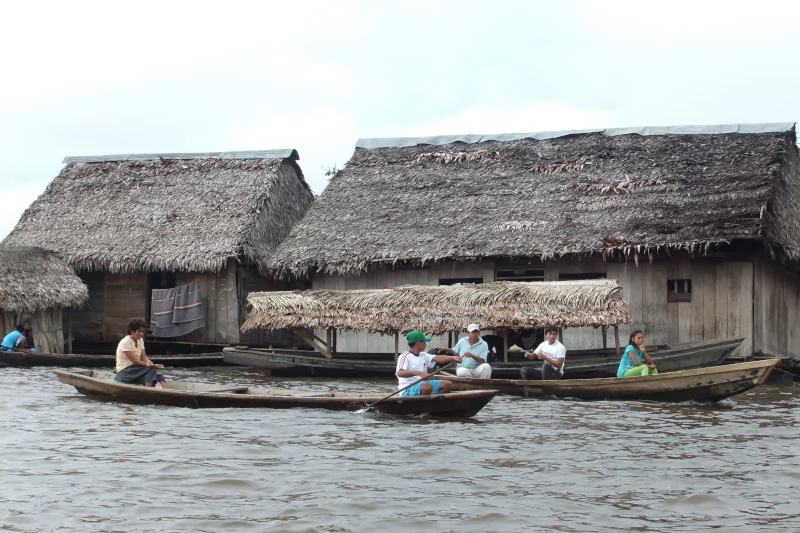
[33,278]
[438,309]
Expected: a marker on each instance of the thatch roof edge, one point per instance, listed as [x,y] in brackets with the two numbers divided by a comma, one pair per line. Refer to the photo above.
[33,278]
[437,309]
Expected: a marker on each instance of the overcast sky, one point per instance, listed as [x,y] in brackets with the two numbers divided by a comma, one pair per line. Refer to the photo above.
[138,77]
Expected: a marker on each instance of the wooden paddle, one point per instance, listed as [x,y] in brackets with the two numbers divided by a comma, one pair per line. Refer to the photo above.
[445,367]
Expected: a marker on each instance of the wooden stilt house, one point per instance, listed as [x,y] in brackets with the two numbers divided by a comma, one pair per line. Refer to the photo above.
[699,225]
[132,223]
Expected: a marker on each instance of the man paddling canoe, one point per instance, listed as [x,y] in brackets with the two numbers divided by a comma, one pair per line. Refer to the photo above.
[413,366]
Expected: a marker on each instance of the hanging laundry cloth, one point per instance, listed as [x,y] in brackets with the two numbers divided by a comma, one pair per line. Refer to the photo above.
[177,311]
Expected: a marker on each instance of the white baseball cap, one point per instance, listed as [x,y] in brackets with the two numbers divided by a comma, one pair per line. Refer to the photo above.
[473,327]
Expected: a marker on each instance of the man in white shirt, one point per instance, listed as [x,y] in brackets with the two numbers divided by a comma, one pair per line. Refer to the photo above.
[415,364]
[474,353]
[552,353]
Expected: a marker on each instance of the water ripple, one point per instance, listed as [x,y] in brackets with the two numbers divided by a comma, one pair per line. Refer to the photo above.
[68,463]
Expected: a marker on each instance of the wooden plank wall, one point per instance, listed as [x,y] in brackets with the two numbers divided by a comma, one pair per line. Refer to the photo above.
[87,322]
[776,311]
[721,305]
[362,342]
[124,297]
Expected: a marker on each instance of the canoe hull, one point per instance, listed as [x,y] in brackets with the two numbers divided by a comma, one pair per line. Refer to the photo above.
[704,385]
[99,385]
[19,360]
[585,366]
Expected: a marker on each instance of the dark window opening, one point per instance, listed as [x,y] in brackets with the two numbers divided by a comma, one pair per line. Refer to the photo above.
[453,281]
[519,274]
[577,276]
[679,290]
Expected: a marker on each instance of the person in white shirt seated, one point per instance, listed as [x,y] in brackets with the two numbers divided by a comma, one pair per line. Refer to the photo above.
[474,353]
[552,353]
[415,364]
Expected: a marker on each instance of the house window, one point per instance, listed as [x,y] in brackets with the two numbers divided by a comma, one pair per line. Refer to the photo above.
[519,274]
[585,275]
[453,281]
[679,290]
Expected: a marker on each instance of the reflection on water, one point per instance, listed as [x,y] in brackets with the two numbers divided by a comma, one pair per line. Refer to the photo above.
[69,463]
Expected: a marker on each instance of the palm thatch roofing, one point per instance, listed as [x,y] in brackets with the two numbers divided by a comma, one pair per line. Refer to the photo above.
[34,278]
[610,192]
[438,309]
[170,212]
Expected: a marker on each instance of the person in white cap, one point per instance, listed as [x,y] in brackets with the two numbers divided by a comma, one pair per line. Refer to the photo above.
[473,352]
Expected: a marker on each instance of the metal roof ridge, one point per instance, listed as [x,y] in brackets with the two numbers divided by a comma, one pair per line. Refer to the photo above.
[713,129]
[286,153]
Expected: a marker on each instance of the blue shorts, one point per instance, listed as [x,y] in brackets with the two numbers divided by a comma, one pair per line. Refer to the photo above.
[414,389]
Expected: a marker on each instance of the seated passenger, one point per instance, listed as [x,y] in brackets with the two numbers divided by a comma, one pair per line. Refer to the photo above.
[16,341]
[133,366]
[552,352]
[635,360]
[474,353]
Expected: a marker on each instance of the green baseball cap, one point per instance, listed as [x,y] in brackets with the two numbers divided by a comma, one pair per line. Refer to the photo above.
[416,336]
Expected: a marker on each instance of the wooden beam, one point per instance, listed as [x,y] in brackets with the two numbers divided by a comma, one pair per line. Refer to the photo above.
[333,346]
[561,335]
[616,338]
[505,346]
[310,338]
[329,338]
[604,333]
[69,330]
[396,345]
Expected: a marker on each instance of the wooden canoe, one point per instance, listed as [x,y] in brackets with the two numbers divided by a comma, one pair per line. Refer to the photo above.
[21,360]
[100,384]
[701,384]
[581,364]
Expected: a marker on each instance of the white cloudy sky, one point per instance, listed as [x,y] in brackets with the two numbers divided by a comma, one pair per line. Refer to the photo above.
[82,78]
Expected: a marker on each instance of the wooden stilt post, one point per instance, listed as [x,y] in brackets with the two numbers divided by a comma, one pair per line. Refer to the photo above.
[396,345]
[604,332]
[69,331]
[561,335]
[505,346]
[328,339]
[616,338]
[333,346]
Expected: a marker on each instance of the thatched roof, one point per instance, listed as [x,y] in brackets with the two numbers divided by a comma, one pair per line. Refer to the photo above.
[437,309]
[551,194]
[33,278]
[173,212]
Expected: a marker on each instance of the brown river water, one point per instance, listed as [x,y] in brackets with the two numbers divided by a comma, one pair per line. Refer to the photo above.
[68,463]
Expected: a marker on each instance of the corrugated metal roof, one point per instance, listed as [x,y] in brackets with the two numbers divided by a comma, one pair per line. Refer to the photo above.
[401,142]
[289,153]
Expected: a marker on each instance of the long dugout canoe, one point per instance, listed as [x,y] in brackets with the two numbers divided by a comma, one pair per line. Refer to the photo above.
[21,360]
[581,364]
[100,384]
[701,384]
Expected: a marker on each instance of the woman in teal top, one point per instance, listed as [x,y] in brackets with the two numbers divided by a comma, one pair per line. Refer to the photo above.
[636,361]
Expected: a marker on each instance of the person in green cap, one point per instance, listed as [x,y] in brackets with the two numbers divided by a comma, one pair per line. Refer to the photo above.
[414,364]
